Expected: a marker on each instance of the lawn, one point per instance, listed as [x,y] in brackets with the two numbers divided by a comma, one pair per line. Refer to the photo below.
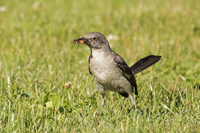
[38,57]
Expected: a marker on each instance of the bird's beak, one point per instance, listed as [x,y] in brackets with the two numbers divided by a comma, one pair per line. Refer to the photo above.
[81,40]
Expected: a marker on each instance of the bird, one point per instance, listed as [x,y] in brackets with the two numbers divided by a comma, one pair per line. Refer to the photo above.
[110,71]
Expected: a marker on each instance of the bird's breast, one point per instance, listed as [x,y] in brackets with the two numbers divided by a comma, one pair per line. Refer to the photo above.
[103,69]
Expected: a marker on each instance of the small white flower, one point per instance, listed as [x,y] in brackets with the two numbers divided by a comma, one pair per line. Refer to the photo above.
[112,37]
[3,9]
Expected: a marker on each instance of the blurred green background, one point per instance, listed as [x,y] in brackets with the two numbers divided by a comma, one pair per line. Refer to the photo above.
[37,58]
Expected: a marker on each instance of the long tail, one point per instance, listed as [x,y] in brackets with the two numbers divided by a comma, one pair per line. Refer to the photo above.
[144,63]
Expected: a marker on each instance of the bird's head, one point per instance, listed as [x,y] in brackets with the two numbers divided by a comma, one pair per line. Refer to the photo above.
[94,40]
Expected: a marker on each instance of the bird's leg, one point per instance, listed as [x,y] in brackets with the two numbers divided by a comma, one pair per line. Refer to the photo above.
[132,100]
[102,100]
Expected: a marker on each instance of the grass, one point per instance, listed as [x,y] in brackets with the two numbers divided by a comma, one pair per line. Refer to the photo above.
[37,58]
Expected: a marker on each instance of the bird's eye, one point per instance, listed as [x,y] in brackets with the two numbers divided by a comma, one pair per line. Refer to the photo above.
[94,38]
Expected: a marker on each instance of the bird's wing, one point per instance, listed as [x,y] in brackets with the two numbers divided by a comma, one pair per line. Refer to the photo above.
[89,64]
[121,64]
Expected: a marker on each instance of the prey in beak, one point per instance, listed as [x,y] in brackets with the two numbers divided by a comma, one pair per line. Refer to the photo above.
[81,41]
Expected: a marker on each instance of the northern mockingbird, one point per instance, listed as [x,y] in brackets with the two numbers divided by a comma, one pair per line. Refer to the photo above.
[109,70]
